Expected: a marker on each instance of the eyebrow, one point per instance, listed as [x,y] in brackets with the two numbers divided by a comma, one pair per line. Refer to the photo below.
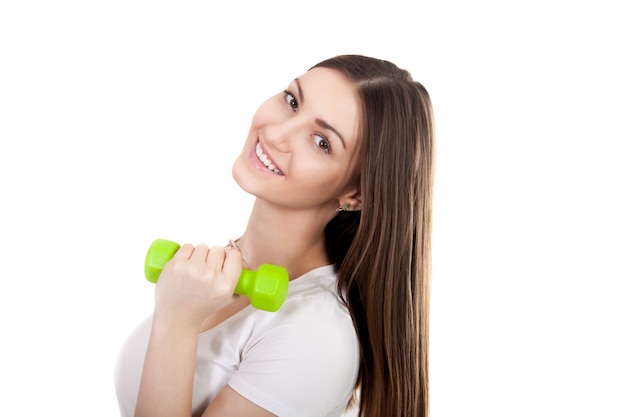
[325,125]
[299,90]
[321,123]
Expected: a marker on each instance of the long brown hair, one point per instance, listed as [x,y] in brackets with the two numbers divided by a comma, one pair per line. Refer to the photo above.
[383,252]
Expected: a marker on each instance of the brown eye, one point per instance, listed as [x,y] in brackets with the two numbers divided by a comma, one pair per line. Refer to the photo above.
[322,143]
[291,100]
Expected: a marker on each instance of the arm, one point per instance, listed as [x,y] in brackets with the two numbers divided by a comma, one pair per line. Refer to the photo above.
[229,403]
[167,378]
[194,284]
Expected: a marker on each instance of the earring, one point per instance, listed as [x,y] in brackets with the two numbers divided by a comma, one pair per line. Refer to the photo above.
[343,208]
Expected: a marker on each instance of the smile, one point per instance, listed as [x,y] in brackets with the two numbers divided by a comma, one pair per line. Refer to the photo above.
[265,160]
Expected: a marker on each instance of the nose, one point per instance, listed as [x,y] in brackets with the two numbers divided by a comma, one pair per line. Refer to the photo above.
[281,133]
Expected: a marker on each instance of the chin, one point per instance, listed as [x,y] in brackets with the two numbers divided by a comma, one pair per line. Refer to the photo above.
[241,175]
[235,171]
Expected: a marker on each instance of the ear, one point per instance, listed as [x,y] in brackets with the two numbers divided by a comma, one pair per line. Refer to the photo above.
[350,201]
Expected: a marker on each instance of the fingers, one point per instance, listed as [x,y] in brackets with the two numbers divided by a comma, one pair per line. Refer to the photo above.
[223,283]
[188,251]
[232,264]
[197,282]
[215,259]
[226,263]
[184,252]
[215,262]
[199,254]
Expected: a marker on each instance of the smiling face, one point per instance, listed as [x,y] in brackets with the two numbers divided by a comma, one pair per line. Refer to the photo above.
[301,151]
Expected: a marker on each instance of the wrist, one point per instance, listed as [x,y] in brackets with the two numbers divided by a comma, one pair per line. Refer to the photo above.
[169,325]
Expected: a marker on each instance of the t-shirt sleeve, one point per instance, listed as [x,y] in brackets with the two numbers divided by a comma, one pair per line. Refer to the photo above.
[304,363]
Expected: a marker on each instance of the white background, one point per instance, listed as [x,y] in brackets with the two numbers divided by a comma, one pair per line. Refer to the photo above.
[119,121]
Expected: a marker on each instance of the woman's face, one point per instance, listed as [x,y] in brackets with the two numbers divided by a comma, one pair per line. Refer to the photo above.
[301,151]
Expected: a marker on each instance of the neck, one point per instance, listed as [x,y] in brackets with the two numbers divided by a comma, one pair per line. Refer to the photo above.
[293,239]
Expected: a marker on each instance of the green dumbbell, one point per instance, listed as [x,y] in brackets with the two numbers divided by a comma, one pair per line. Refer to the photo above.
[266,287]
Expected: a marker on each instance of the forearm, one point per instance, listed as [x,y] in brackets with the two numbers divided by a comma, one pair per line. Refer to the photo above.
[167,380]
[194,284]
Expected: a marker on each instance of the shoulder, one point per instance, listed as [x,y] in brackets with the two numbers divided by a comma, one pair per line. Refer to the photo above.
[314,314]
[309,342]
[313,309]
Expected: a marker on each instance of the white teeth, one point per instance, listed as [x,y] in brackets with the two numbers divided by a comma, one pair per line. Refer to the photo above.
[265,160]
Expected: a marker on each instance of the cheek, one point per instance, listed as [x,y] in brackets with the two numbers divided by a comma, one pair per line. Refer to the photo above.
[319,178]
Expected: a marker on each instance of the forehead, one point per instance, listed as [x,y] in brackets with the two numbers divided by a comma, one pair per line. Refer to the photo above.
[332,98]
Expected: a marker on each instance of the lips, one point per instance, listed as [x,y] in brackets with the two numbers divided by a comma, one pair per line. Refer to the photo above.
[265,160]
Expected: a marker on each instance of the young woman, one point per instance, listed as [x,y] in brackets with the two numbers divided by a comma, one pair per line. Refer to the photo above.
[341,165]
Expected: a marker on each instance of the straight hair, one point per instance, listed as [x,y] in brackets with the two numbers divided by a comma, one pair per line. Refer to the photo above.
[383,252]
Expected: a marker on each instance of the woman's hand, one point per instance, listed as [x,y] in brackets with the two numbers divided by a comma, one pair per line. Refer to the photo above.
[195,283]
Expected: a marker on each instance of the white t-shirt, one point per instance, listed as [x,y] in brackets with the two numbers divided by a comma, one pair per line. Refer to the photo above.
[302,360]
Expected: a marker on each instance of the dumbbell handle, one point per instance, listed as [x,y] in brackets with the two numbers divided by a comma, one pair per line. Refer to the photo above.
[266,287]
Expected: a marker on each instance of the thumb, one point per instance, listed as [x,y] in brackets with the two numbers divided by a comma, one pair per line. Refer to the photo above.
[232,264]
